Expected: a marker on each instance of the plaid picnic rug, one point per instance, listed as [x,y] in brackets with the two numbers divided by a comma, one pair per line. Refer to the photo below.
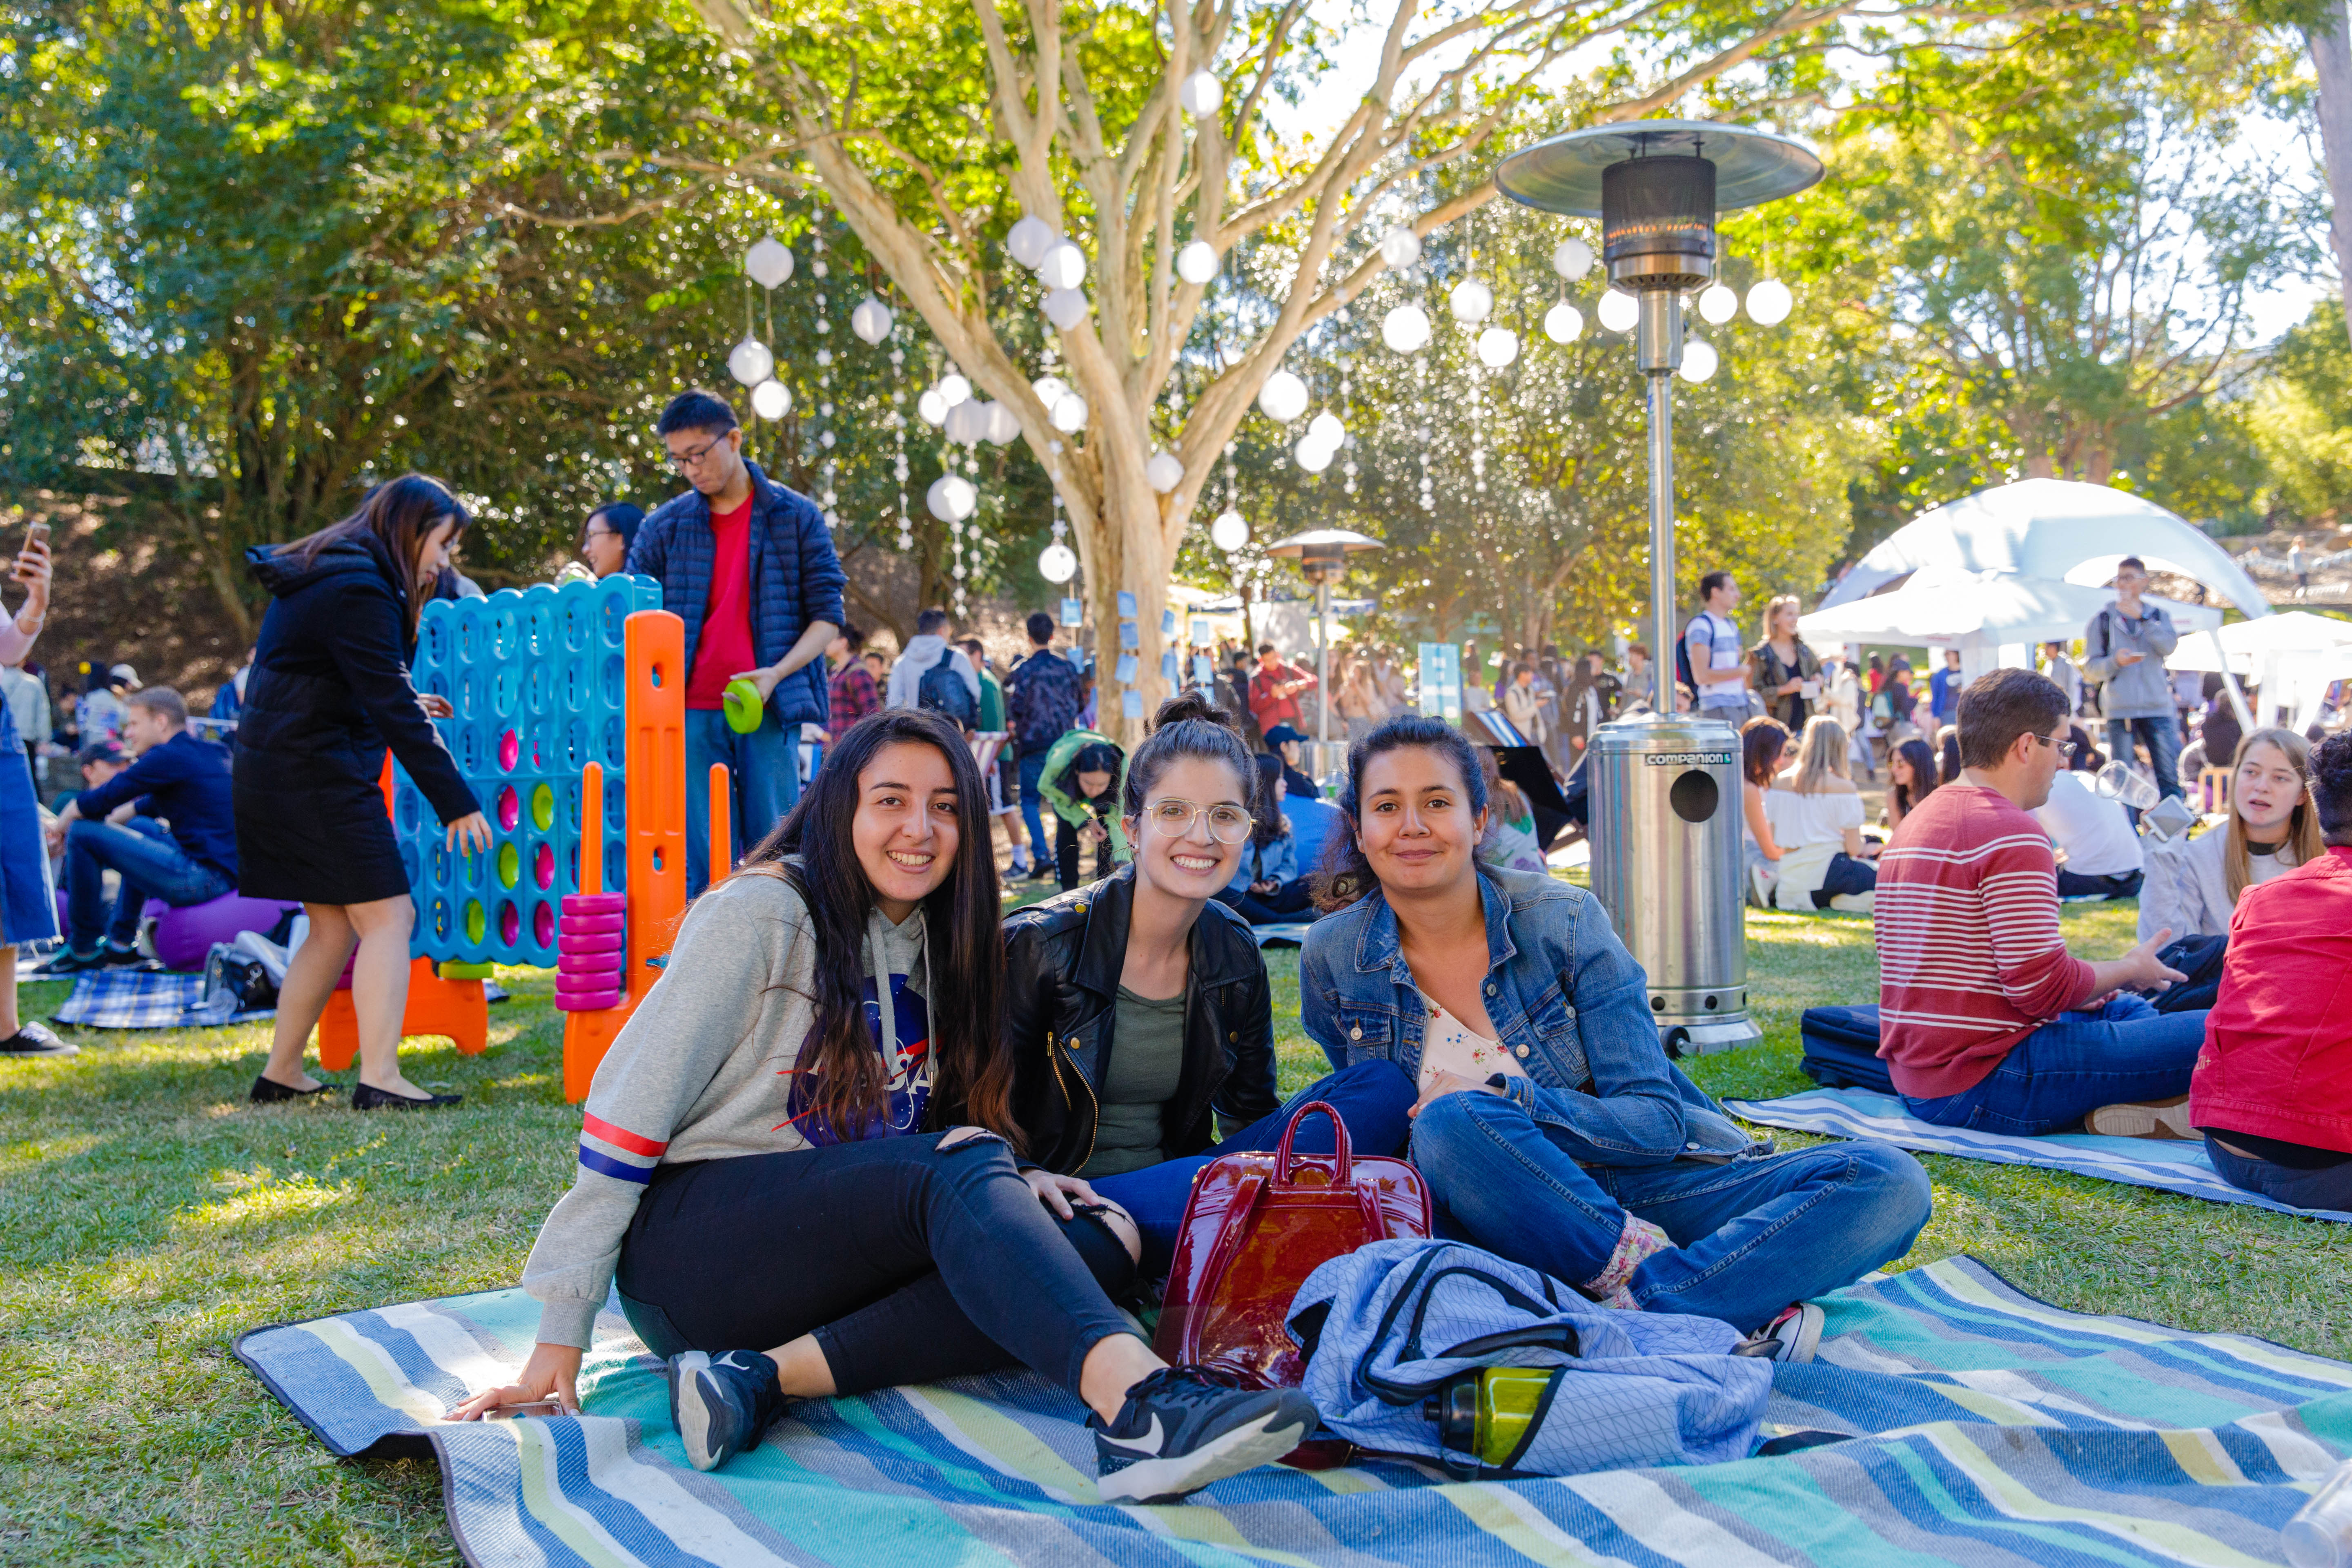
[141,999]
[1992,1430]
[2173,1166]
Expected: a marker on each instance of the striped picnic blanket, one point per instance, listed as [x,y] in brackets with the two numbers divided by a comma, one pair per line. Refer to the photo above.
[144,999]
[1992,1430]
[2175,1166]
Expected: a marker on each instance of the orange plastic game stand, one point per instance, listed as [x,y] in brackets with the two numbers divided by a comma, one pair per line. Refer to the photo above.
[458,1009]
[722,825]
[653,644]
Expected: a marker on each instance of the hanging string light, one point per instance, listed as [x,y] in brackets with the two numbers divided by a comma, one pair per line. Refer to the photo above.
[899,437]
[1421,444]
[828,497]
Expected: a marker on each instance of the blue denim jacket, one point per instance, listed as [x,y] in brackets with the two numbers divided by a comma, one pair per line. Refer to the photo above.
[1565,998]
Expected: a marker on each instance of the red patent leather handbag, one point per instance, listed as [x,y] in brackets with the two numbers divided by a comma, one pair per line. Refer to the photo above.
[1256,1225]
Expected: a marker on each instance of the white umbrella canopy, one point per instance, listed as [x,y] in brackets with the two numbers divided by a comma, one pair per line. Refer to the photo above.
[1976,610]
[2248,642]
[2054,529]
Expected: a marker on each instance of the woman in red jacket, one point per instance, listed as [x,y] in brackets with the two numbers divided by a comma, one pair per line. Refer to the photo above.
[2273,1090]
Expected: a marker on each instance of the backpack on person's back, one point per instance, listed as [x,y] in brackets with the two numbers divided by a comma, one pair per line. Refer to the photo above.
[941,689]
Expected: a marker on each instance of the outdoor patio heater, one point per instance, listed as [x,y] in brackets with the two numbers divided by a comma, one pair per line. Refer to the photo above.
[1666,853]
[1322,556]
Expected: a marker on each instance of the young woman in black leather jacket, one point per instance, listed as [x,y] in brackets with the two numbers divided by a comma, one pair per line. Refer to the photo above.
[1137,1007]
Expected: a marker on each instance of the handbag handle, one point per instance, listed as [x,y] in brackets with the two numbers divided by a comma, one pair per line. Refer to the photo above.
[1282,1165]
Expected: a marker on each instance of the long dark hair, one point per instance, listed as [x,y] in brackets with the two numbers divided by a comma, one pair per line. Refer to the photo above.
[1763,741]
[1271,823]
[1345,875]
[1925,775]
[813,848]
[1189,725]
[398,514]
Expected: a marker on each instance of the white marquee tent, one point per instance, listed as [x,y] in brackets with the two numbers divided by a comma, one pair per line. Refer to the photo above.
[1979,613]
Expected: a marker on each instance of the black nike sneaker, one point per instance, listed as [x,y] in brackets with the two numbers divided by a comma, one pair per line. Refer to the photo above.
[1180,1429]
[722,1403]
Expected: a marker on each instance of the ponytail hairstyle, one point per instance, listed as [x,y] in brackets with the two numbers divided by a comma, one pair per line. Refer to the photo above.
[1346,876]
[398,514]
[813,848]
[1189,725]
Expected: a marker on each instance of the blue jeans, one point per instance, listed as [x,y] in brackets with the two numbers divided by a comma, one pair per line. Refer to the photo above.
[2071,1066]
[152,866]
[2329,1187]
[1750,1236]
[1033,796]
[1371,1097]
[2161,736]
[764,775]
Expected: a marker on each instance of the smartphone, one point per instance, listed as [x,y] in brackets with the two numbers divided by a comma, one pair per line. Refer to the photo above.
[37,534]
[550,1405]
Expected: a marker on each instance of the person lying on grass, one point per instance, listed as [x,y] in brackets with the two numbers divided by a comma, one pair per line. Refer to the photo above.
[1550,1127]
[1986,1020]
[802,1141]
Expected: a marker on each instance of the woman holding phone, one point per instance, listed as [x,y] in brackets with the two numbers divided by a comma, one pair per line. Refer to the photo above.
[28,900]
[329,688]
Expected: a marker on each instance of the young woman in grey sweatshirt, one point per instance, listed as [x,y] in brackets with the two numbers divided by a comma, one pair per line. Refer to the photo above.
[796,1162]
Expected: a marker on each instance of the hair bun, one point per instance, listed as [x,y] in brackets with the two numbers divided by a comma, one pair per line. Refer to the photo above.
[1192,705]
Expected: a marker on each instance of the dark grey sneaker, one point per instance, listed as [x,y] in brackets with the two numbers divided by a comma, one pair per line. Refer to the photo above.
[721,1404]
[1791,1337]
[35,1040]
[1180,1429]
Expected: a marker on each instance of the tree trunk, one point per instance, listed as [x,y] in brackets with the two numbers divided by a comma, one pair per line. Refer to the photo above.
[2331,57]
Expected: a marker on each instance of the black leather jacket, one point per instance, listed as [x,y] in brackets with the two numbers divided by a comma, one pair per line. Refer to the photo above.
[1063,960]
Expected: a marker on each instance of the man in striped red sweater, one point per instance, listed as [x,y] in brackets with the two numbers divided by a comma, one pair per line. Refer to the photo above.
[1986,1020]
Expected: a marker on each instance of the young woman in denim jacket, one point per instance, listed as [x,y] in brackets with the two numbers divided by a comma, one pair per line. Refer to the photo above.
[1550,1126]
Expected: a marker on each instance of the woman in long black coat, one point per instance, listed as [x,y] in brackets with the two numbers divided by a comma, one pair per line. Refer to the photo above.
[329,688]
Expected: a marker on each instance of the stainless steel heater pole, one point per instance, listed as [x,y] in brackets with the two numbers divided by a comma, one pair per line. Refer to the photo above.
[1659,352]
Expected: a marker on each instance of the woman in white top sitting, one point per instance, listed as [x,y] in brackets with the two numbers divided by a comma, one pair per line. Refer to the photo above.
[1816,818]
[2192,884]
[1763,745]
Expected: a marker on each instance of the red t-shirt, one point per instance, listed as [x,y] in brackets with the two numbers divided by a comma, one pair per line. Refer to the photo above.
[725,650]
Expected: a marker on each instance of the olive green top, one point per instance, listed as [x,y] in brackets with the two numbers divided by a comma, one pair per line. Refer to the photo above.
[1147,1058]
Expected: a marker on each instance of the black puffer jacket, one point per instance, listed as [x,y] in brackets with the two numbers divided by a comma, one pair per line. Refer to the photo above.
[329,684]
[1063,960]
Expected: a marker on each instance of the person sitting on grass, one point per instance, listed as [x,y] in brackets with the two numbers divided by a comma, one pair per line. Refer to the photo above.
[2103,854]
[1763,746]
[1986,1020]
[2273,1090]
[1080,786]
[2193,884]
[1267,887]
[1136,1006]
[804,1140]
[1815,814]
[185,783]
[1911,777]
[1508,842]
[1286,743]
[1551,1127]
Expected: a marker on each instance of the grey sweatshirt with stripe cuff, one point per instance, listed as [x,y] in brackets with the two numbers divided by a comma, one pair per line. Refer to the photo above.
[702,1070]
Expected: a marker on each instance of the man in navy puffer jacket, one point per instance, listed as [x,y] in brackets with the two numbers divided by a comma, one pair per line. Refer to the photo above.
[750,566]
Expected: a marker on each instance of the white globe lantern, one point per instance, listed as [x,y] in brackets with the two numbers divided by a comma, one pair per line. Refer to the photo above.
[1282,398]
[1057,562]
[951,498]
[1002,423]
[1313,456]
[1471,301]
[1405,328]
[1718,304]
[1201,93]
[1229,532]
[1699,359]
[871,321]
[954,388]
[1164,472]
[1064,267]
[932,406]
[1028,240]
[1400,248]
[771,399]
[1619,310]
[1326,429]
[1066,308]
[1070,415]
[1572,259]
[1197,262]
[750,362]
[768,263]
[1768,303]
[968,422]
[1050,390]
[1563,323]
[1497,346]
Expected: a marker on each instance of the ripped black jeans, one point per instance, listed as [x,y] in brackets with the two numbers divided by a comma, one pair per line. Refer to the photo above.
[907,1263]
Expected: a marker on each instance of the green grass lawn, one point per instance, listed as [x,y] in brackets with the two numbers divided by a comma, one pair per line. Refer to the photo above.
[148,1216]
